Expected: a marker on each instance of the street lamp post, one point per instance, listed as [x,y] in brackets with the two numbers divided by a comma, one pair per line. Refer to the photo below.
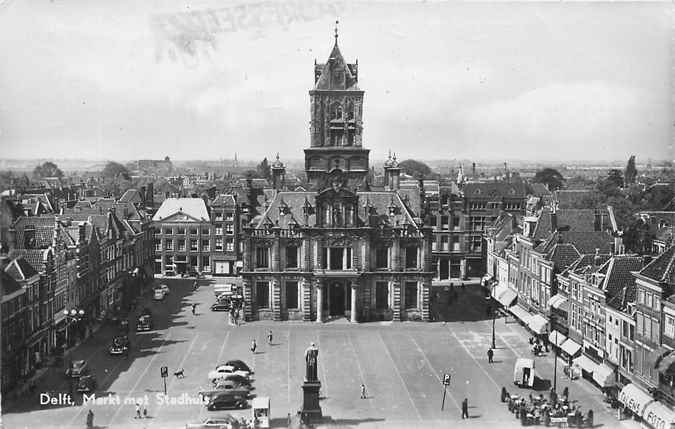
[71,315]
[494,316]
[555,359]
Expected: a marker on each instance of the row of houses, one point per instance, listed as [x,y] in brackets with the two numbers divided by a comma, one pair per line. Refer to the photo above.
[564,274]
[63,273]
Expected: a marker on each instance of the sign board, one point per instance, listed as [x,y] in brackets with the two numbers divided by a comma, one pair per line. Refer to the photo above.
[446,379]
[164,371]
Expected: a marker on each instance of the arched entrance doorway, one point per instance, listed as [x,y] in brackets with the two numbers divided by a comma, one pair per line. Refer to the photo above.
[336,299]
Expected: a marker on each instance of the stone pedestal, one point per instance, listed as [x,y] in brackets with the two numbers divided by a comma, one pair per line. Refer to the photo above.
[311,410]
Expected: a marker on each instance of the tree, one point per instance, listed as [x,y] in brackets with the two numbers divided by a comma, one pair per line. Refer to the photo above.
[415,168]
[47,169]
[630,173]
[549,177]
[264,170]
[615,177]
[114,170]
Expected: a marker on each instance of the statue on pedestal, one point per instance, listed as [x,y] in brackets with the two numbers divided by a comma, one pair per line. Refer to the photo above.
[311,361]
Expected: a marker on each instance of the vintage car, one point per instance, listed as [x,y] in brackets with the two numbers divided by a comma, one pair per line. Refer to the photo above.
[222,371]
[216,423]
[239,365]
[220,306]
[86,383]
[144,322]
[227,400]
[77,369]
[119,345]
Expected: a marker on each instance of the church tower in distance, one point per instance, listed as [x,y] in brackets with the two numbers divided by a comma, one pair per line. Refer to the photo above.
[336,125]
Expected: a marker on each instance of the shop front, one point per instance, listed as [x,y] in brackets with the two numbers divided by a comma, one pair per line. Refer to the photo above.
[634,399]
[659,416]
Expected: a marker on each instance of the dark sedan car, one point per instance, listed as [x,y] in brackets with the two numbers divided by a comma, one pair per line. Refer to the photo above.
[220,306]
[239,365]
[225,400]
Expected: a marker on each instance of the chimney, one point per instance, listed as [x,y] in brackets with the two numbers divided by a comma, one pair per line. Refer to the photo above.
[618,244]
[596,258]
[554,219]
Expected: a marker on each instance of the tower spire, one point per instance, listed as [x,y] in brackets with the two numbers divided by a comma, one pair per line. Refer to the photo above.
[336,30]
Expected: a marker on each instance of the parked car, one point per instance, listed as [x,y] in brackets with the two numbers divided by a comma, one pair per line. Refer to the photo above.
[225,384]
[86,383]
[228,400]
[239,365]
[215,423]
[222,371]
[144,322]
[119,345]
[220,306]
[77,368]
[236,378]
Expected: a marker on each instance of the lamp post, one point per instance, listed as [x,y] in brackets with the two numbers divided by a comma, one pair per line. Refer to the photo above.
[494,316]
[71,315]
[555,358]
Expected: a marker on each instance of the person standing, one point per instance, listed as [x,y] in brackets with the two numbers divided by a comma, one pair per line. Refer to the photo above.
[269,337]
[90,419]
[138,411]
[465,408]
[254,346]
[363,391]
[145,412]
[194,309]
[490,354]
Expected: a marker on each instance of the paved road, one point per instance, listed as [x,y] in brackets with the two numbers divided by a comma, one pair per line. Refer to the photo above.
[401,365]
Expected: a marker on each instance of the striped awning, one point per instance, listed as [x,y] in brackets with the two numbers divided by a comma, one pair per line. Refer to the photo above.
[556,338]
[521,314]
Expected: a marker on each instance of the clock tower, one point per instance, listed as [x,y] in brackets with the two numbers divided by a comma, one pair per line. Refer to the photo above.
[336,126]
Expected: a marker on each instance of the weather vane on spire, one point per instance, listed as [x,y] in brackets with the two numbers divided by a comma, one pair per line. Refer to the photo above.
[336,30]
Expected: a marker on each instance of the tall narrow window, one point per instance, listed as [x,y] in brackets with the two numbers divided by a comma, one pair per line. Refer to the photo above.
[292,295]
[262,294]
[381,295]
[261,257]
[411,257]
[292,257]
[410,294]
[382,257]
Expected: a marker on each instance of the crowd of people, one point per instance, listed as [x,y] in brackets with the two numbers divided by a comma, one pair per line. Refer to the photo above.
[539,410]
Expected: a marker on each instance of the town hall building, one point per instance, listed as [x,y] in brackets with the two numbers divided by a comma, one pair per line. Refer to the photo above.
[338,249]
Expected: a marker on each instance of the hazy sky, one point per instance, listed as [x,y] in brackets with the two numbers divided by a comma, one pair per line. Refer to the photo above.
[129,79]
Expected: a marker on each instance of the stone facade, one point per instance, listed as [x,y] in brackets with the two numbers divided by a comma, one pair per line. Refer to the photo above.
[338,250]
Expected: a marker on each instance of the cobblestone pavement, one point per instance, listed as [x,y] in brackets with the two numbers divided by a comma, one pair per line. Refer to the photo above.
[401,365]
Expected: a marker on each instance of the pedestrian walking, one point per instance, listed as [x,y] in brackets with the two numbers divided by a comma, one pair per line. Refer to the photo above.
[90,419]
[236,317]
[363,391]
[138,411]
[194,309]
[490,354]
[465,408]
[145,412]
[269,337]
[253,346]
